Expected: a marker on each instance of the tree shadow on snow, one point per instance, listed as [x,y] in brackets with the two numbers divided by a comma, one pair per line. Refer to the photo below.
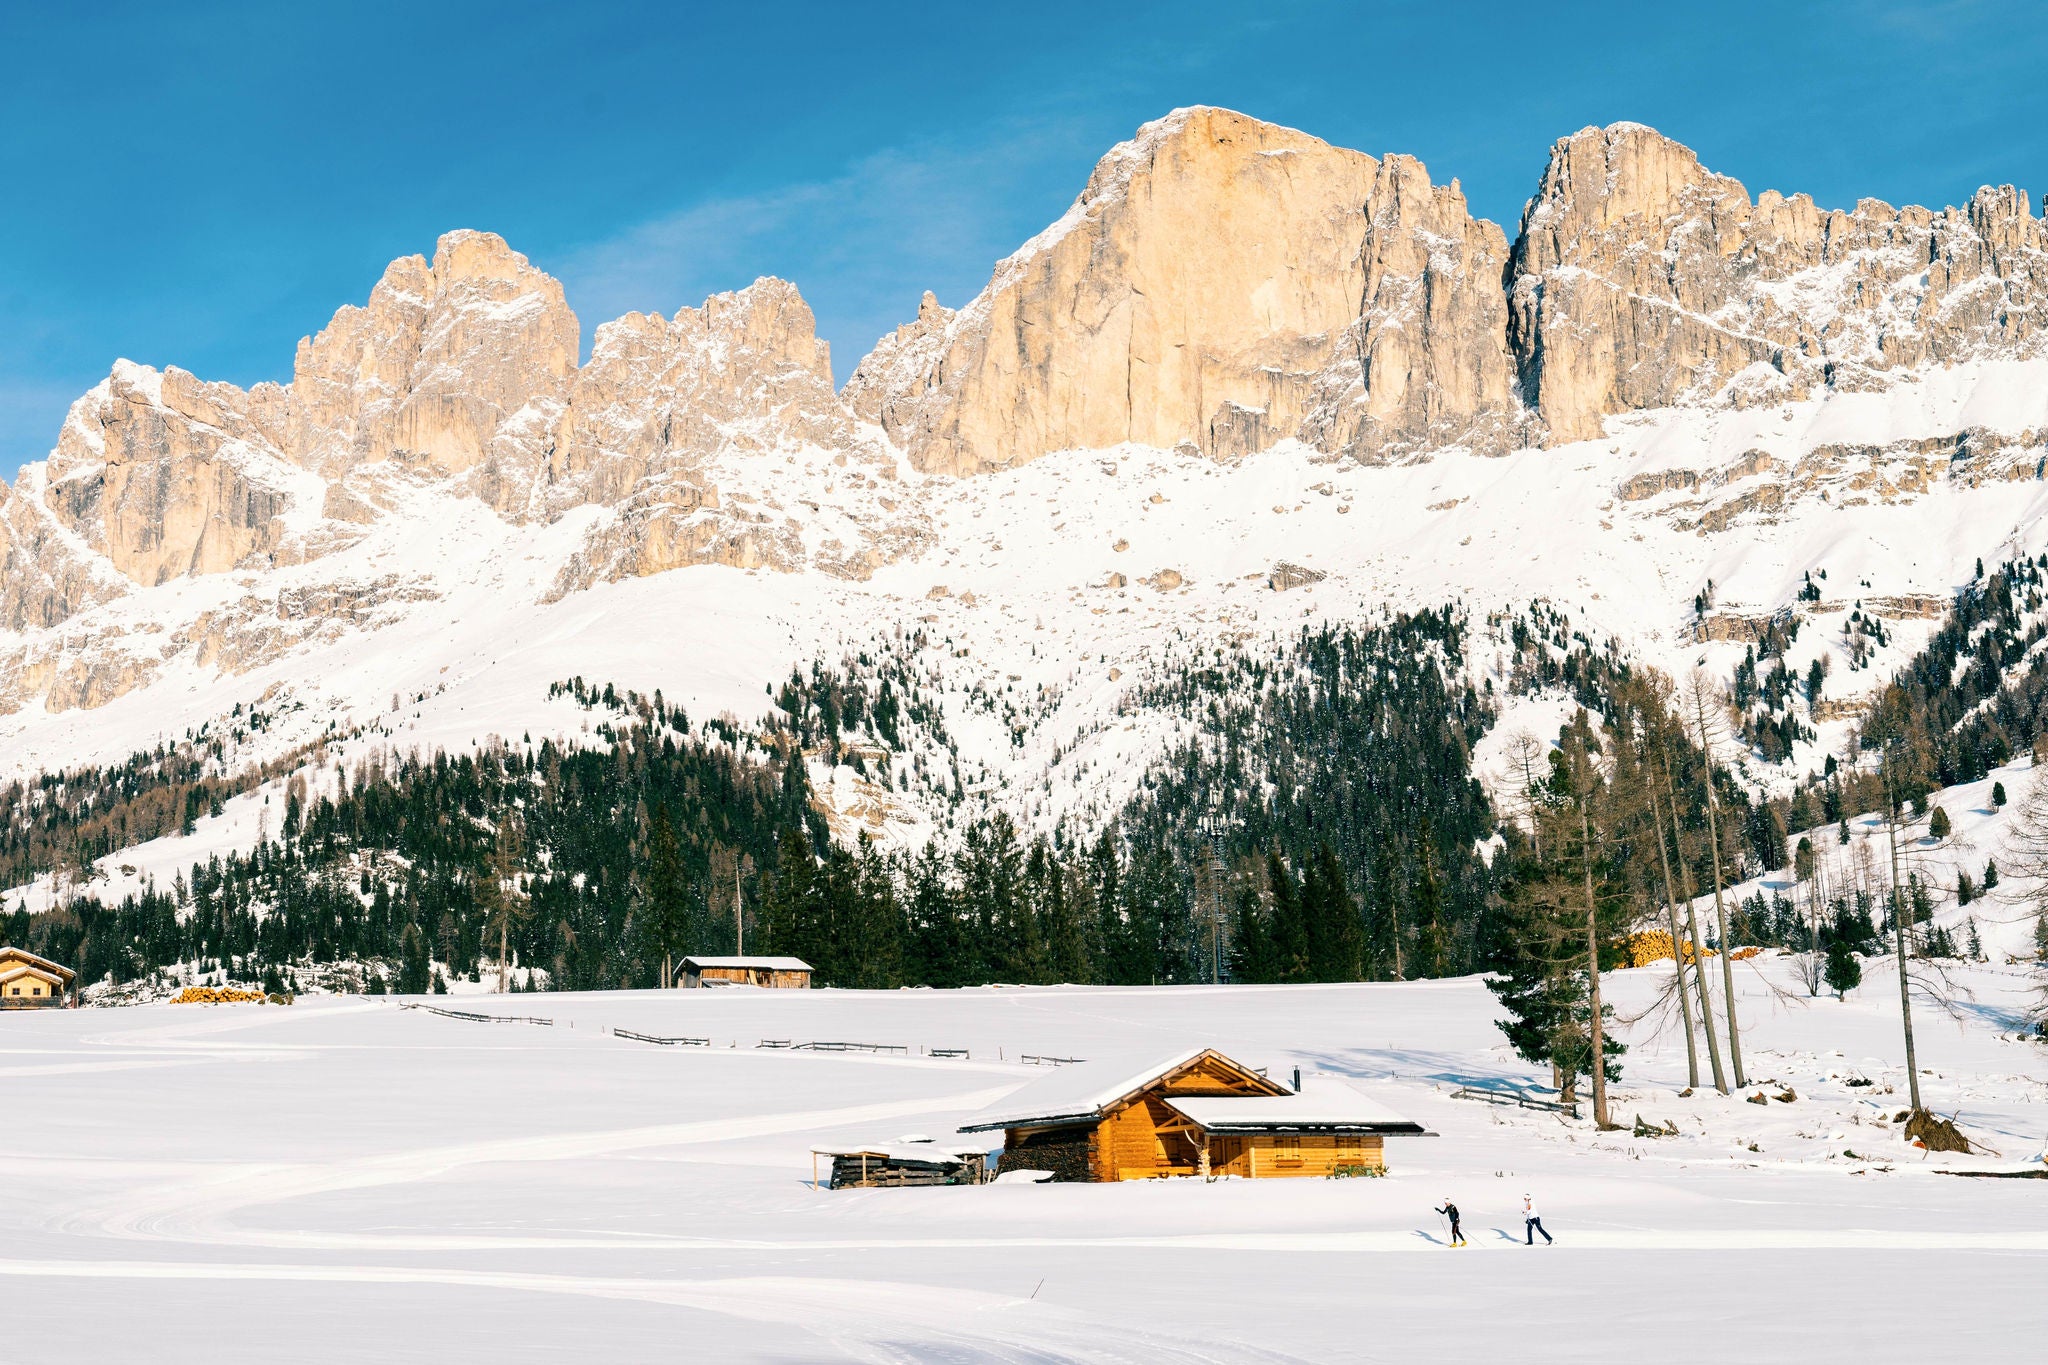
[1409,1064]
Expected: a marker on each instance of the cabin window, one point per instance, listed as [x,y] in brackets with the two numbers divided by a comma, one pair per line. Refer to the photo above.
[1287,1151]
[17,990]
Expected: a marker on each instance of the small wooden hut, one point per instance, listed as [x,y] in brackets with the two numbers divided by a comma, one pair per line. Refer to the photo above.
[31,982]
[1195,1113]
[914,1160]
[779,973]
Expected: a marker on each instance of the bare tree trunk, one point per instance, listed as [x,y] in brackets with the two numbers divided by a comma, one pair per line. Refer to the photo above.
[1699,949]
[504,960]
[1720,909]
[1692,1047]
[1902,910]
[1599,1062]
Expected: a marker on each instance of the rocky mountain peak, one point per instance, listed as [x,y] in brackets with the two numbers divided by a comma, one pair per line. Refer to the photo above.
[1643,280]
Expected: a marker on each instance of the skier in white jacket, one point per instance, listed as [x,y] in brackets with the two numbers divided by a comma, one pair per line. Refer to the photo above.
[1532,1221]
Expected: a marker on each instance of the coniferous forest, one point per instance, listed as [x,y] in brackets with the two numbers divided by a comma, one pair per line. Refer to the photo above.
[1318,821]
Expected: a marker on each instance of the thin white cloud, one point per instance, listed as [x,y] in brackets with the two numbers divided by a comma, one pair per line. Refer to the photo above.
[861,245]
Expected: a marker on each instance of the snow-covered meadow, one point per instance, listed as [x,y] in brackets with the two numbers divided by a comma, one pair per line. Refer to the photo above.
[348,1179]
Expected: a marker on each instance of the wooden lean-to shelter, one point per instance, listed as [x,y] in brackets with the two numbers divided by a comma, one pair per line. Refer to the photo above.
[1195,1113]
[913,1160]
[779,973]
[31,982]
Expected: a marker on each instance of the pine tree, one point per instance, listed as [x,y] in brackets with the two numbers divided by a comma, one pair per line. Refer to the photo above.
[1289,932]
[933,952]
[665,916]
[413,968]
[1253,957]
[1844,968]
[1335,934]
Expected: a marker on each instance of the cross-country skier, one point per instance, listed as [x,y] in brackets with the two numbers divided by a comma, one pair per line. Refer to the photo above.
[1532,1221]
[1450,1211]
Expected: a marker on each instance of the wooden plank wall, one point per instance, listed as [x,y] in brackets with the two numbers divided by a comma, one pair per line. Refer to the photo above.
[1271,1157]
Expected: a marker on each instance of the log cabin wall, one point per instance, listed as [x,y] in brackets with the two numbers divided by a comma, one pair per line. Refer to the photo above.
[1275,1155]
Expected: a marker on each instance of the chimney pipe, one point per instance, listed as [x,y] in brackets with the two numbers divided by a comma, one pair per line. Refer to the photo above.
[1297,1080]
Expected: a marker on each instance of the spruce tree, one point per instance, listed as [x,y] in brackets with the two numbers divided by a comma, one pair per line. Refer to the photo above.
[1844,968]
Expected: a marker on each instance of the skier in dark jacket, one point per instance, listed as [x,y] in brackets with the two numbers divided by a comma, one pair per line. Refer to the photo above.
[1450,1211]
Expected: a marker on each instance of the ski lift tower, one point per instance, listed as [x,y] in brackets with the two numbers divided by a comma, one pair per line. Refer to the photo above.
[1214,825]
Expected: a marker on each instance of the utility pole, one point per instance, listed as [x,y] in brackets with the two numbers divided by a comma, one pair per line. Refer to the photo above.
[739,923]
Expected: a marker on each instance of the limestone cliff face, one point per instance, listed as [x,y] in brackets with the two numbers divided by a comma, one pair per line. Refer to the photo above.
[1426,363]
[704,431]
[442,358]
[1641,279]
[167,476]
[1220,282]
[1192,293]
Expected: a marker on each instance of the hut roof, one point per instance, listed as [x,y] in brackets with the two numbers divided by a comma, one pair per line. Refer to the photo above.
[910,1152]
[23,957]
[755,964]
[1324,1105]
[1086,1091]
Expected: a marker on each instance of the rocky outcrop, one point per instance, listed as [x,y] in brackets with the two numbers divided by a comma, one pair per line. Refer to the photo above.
[167,476]
[1642,280]
[1192,293]
[443,356]
[1426,363]
[1221,283]
[706,431]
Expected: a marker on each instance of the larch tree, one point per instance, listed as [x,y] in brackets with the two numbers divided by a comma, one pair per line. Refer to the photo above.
[1706,709]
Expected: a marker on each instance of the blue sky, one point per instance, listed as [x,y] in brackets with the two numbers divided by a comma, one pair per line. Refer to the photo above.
[202,185]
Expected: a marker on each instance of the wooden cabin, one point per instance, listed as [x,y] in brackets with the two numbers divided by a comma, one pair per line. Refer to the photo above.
[777,973]
[1196,1113]
[31,982]
[914,1160]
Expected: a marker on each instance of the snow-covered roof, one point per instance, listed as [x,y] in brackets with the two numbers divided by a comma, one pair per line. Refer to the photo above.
[1322,1104]
[910,1153]
[18,970]
[22,955]
[757,964]
[1079,1093]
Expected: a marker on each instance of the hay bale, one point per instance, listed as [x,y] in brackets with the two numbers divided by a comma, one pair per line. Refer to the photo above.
[1935,1134]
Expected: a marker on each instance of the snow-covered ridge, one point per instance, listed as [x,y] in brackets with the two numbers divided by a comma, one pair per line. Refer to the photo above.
[443,504]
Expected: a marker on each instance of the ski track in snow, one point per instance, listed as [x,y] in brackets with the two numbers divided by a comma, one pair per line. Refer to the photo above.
[866,1319]
[173,1213]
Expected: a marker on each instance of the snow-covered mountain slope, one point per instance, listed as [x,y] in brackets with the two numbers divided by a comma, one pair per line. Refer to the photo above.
[442,514]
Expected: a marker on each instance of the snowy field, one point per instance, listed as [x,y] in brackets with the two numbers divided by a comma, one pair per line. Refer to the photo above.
[347,1180]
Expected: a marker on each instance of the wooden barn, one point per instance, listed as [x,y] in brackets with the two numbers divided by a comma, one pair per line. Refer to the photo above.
[780,973]
[31,982]
[913,1160]
[1196,1113]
